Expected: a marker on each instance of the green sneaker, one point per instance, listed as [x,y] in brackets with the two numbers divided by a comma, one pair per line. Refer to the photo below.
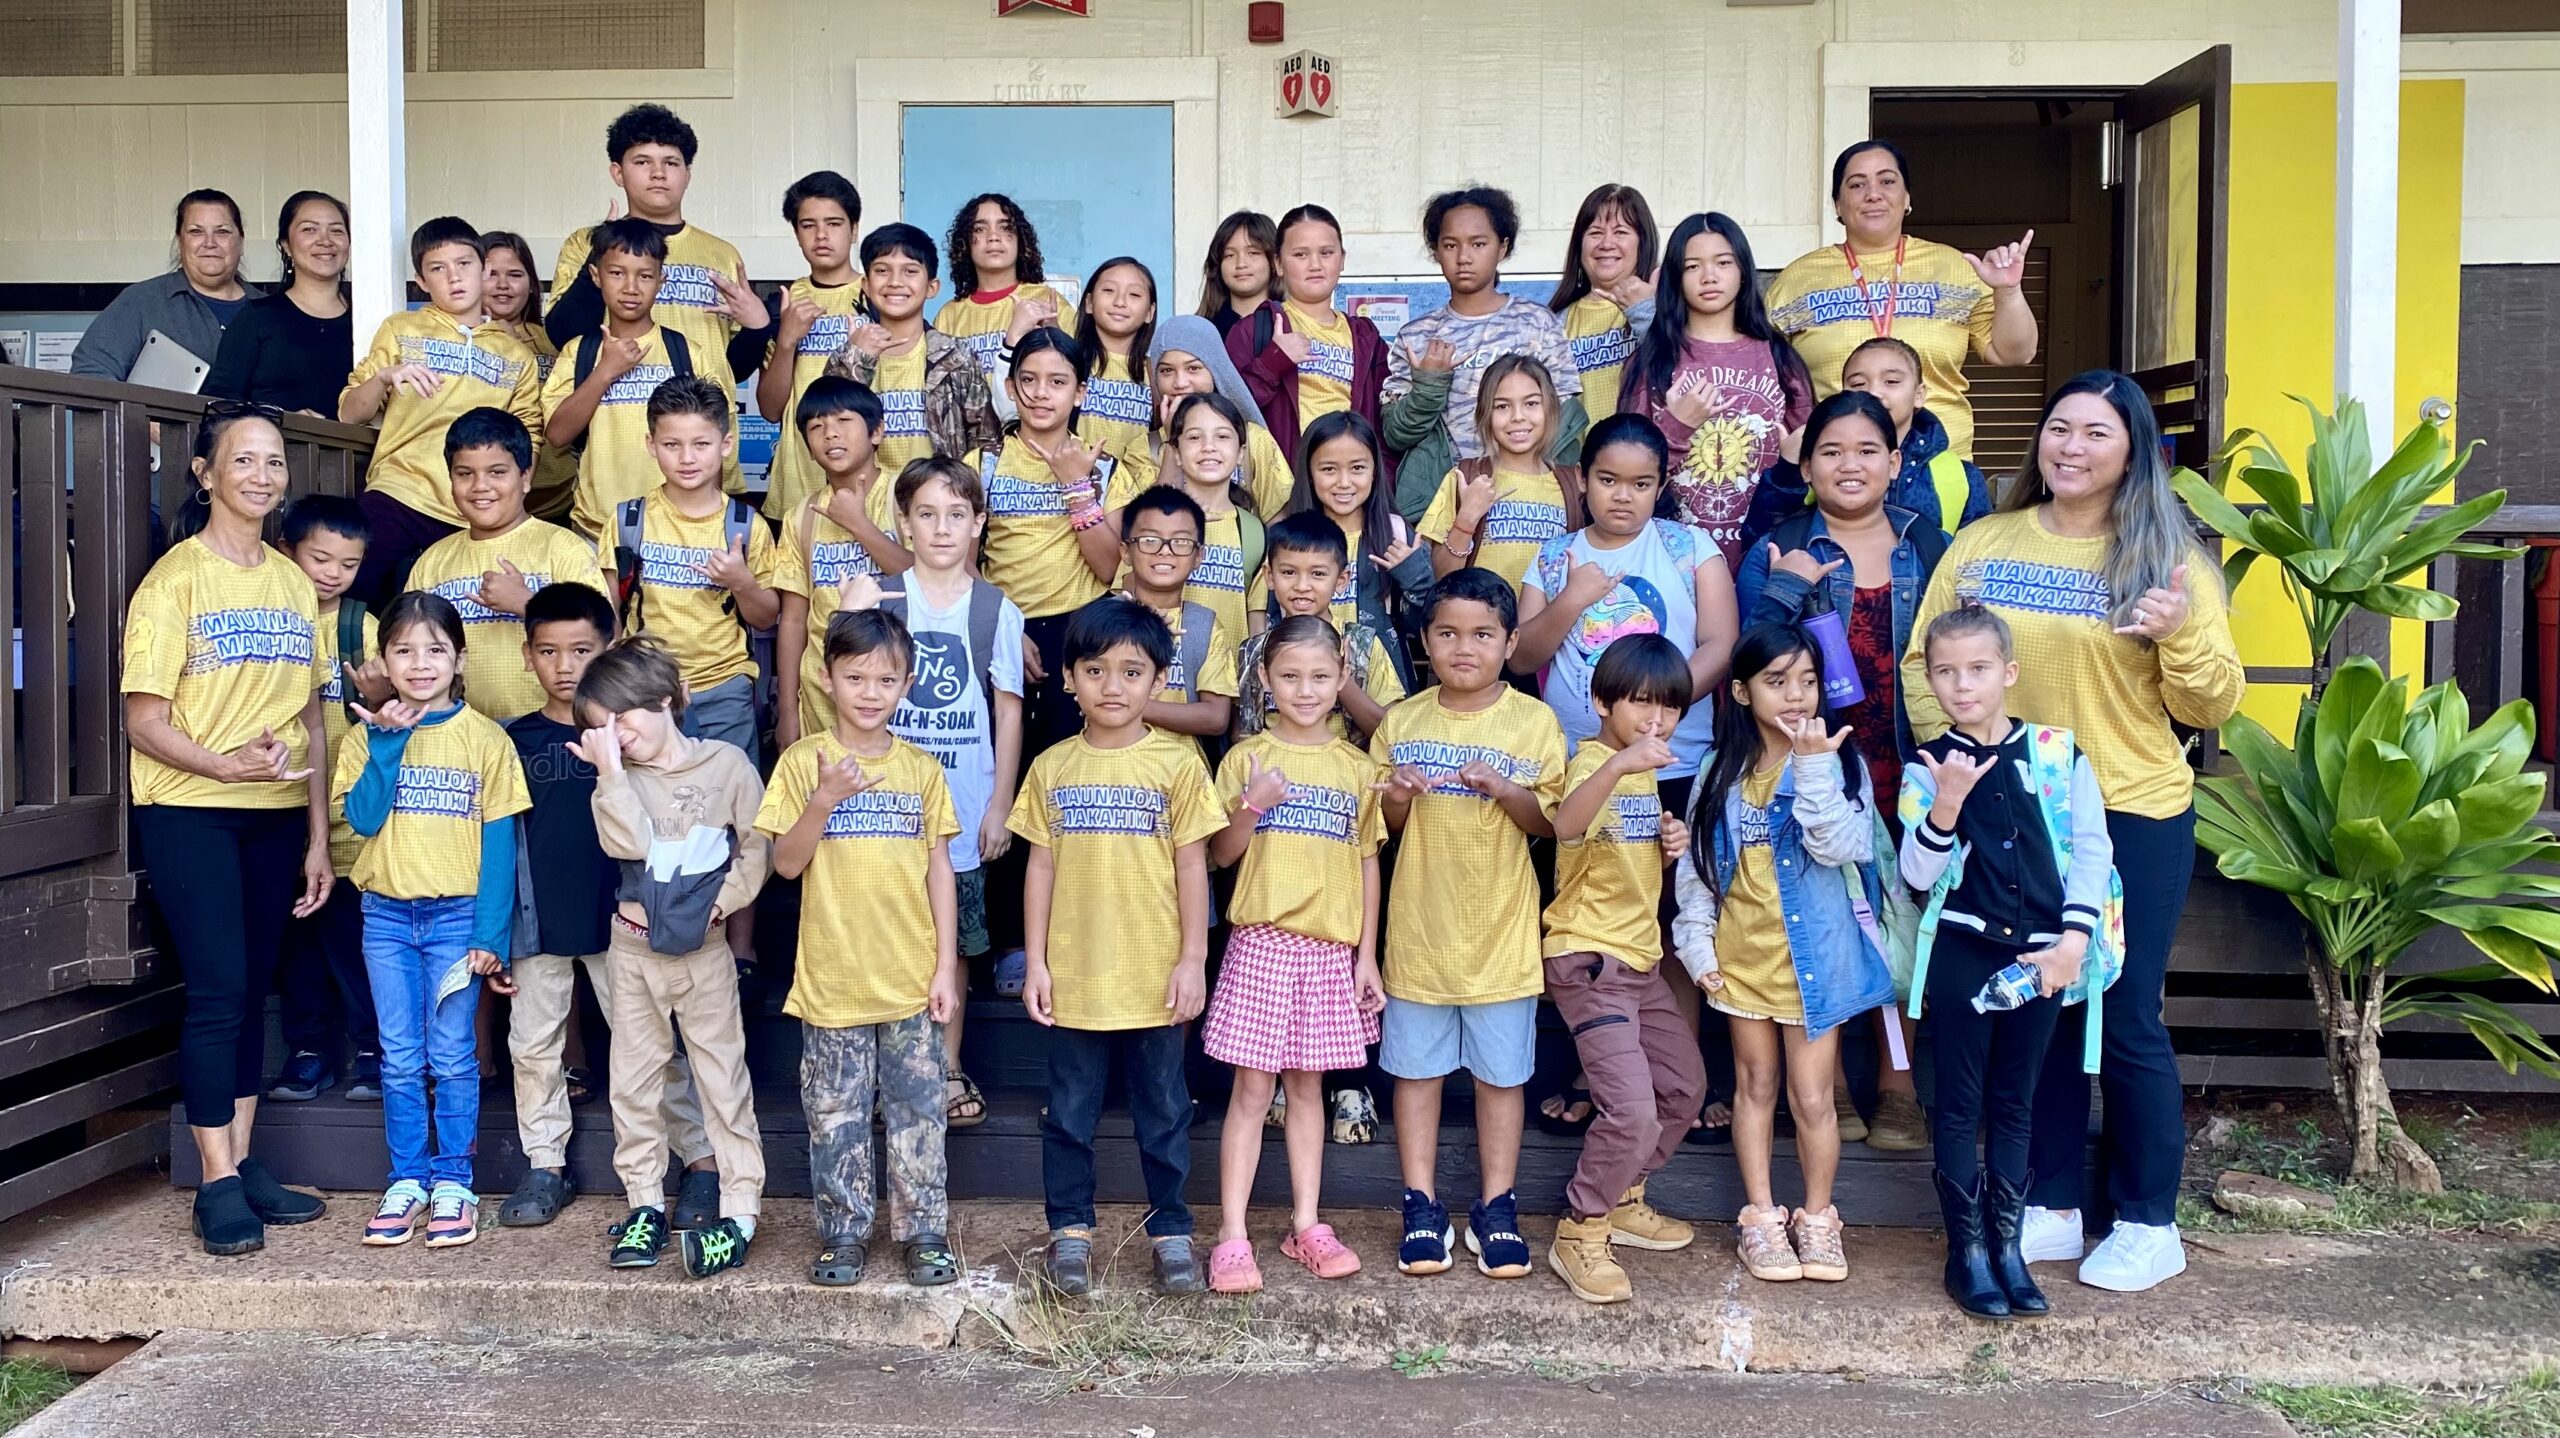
[715,1249]
[638,1239]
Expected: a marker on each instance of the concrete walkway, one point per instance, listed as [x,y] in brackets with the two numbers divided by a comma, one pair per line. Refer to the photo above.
[118,1261]
[209,1386]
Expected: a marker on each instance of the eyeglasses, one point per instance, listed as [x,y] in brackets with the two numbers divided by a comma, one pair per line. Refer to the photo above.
[1176,545]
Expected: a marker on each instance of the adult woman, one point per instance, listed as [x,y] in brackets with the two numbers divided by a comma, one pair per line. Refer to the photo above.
[1242,270]
[222,673]
[1882,281]
[2121,628]
[1608,272]
[292,348]
[191,304]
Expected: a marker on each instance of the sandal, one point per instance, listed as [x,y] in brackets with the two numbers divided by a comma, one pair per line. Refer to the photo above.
[581,1085]
[930,1261]
[966,1104]
[1706,1132]
[839,1265]
[1321,1252]
[1572,1096]
[1232,1269]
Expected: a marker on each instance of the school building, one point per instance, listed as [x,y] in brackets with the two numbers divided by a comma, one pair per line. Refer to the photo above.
[2180,162]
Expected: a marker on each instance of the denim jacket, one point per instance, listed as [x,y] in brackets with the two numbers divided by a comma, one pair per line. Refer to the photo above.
[1828,889]
[1765,595]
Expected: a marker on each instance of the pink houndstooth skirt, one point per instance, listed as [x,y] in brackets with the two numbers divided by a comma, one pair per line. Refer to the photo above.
[1285,1002]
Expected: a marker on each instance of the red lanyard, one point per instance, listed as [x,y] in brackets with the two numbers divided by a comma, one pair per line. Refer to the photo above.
[1892,290]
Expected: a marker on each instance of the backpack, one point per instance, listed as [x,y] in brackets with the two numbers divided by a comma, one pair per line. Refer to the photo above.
[1199,627]
[734,525]
[1568,479]
[679,359]
[1250,695]
[1954,487]
[986,606]
[350,650]
[1252,539]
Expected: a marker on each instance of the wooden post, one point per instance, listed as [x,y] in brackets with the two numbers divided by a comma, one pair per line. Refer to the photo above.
[377,164]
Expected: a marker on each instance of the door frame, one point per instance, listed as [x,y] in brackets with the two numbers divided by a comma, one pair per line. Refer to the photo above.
[882,89]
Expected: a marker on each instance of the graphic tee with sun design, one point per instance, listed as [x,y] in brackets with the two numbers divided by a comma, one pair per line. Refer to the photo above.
[1716,466]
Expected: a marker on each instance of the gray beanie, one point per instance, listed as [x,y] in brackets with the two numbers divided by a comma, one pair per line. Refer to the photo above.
[1192,335]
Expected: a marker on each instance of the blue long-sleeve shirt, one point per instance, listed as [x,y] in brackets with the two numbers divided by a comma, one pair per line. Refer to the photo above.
[369,803]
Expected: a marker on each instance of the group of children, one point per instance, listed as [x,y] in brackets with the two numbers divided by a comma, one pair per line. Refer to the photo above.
[1042,594]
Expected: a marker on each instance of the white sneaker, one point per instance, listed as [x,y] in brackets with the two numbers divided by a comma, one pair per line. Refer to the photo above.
[2052,1235]
[2134,1257]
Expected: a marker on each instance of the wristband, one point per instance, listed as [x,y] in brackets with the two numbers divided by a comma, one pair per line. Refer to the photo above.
[1084,517]
[1258,810]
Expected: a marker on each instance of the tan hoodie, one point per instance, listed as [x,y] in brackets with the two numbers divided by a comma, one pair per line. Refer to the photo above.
[713,787]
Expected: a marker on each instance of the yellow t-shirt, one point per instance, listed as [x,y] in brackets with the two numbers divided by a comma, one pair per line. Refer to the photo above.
[1217,663]
[1267,472]
[1528,510]
[1324,376]
[2117,696]
[1751,935]
[555,470]
[815,557]
[867,941]
[686,609]
[1031,551]
[981,323]
[617,464]
[1941,309]
[334,724]
[1112,820]
[479,366]
[1116,409]
[687,299]
[1602,342]
[1302,871]
[1462,922]
[455,775]
[235,651]
[899,381]
[1609,880]
[793,473]
[495,680]
[1219,580]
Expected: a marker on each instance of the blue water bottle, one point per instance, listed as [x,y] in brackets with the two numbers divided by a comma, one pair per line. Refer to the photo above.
[1841,686]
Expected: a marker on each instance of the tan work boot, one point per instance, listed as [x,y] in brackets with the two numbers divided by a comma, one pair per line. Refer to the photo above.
[1636,1224]
[1580,1256]
[1852,1127]
[1900,1127]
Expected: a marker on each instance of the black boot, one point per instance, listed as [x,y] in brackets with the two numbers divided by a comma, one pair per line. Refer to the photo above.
[1969,1278]
[225,1221]
[2007,1212]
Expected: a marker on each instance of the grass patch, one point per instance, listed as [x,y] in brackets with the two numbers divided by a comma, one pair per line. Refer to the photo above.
[1125,1337]
[2528,1409]
[2296,1157]
[2541,1143]
[1983,1368]
[25,1388]
[1421,1363]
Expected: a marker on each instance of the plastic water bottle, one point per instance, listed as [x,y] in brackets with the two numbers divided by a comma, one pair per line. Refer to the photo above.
[1841,686]
[2016,986]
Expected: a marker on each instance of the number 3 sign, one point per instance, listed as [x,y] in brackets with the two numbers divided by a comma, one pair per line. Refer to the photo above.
[1306,84]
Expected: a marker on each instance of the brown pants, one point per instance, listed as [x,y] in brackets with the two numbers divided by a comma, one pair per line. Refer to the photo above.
[652,994]
[1641,1060]
[546,1003]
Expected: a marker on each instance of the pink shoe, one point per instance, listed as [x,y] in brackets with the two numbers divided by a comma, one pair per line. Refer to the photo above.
[1232,1269]
[1323,1254]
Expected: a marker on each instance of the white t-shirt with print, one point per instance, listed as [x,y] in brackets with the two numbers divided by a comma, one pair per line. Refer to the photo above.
[1657,593]
[947,717]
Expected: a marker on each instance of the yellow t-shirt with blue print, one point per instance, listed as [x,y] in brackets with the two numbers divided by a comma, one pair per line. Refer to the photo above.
[1116,410]
[867,942]
[1218,581]
[1462,921]
[1324,376]
[1602,342]
[1609,878]
[478,364]
[1941,308]
[617,464]
[495,679]
[687,299]
[454,776]
[334,723]
[813,560]
[1031,551]
[1112,821]
[682,607]
[1528,510]
[236,651]
[1302,871]
[899,381]
[1217,662]
[793,472]
[980,324]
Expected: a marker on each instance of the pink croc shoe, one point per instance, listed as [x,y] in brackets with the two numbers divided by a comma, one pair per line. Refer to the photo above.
[1323,1254]
[1232,1269]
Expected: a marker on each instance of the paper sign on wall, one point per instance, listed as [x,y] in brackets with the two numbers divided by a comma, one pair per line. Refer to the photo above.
[1306,84]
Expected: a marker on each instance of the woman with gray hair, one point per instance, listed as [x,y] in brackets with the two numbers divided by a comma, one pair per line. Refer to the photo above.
[2122,631]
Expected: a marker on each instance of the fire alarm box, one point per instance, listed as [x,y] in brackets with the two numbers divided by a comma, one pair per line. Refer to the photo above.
[1306,84]
[1266,22]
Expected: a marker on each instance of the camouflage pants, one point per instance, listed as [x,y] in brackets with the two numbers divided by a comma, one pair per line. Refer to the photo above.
[841,1070]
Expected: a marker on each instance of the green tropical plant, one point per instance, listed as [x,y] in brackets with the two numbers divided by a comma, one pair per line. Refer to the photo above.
[2388,818]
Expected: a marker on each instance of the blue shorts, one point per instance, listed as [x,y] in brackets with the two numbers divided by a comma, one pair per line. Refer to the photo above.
[1497,1042]
[726,711]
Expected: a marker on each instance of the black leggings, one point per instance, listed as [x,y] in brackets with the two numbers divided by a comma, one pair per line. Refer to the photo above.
[225,882]
[1986,1065]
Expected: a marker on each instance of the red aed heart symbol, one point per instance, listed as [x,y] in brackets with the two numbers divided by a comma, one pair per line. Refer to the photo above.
[1323,84]
[1289,87]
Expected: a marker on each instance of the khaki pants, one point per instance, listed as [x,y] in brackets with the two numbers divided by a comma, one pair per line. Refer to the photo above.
[537,1033]
[652,994]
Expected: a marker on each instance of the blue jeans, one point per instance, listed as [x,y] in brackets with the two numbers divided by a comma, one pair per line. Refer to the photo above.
[1150,1062]
[409,945]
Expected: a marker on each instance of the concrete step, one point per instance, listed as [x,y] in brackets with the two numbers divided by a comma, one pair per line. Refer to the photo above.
[119,1261]
[251,1386]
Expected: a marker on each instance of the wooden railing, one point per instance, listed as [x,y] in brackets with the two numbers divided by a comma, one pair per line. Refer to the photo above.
[87,1014]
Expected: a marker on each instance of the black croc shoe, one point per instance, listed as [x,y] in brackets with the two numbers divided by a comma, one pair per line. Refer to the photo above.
[697,1200]
[930,1261]
[537,1200]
